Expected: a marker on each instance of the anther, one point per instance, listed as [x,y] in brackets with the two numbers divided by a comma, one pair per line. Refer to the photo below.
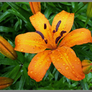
[53,31]
[45,41]
[45,26]
[57,26]
[57,39]
[40,34]
[62,33]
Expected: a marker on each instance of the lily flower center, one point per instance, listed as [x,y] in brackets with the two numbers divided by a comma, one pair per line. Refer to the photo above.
[49,39]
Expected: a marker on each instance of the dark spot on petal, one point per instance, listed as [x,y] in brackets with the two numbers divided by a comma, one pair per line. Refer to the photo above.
[53,31]
[45,26]
[57,39]
[62,33]
[40,34]
[45,41]
[58,24]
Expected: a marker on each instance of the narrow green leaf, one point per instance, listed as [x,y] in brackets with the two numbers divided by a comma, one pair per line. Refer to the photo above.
[47,12]
[4,15]
[21,82]
[28,24]
[1,56]
[66,3]
[84,84]
[7,61]
[26,75]
[20,10]
[15,72]
[6,29]
[20,57]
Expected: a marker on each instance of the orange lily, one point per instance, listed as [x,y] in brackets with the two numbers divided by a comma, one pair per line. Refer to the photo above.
[47,36]
[35,7]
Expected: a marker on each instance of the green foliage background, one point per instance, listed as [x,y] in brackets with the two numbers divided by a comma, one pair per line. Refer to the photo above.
[14,20]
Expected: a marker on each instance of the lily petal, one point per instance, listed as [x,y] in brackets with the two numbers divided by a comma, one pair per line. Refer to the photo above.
[42,25]
[39,65]
[76,37]
[67,63]
[35,7]
[30,42]
[62,24]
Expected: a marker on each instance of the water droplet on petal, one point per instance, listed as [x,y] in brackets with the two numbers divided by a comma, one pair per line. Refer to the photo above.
[35,66]
[66,68]
[17,40]
[59,69]
[78,62]
[73,72]
[21,49]
[82,32]
[72,66]
[63,63]
[31,72]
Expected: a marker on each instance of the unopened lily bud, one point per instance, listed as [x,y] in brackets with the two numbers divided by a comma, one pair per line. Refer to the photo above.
[5,82]
[6,49]
[89,10]
[87,66]
[35,7]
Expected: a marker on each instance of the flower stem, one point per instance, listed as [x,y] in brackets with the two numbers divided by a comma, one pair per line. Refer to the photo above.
[86,22]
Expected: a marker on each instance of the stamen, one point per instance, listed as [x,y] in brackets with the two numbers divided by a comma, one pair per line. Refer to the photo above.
[40,34]
[57,39]
[45,26]
[45,41]
[62,33]
[53,31]
[58,24]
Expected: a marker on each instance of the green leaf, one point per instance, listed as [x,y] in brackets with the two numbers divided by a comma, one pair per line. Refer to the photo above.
[4,15]
[65,3]
[83,9]
[7,61]
[51,3]
[20,10]
[21,82]
[84,84]
[47,12]
[1,56]
[20,57]
[6,29]
[14,72]
[4,7]
[17,77]
[23,14]
[25,75]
